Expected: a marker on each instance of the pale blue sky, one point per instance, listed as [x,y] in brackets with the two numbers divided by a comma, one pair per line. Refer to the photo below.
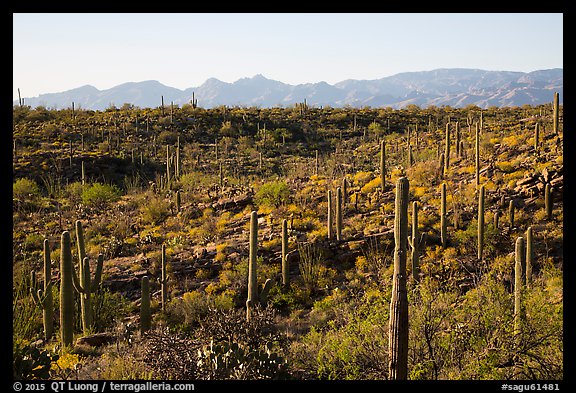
[57,52]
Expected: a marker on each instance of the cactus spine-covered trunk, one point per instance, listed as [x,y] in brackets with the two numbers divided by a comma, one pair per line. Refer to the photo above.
[145,313]
[252,267]
[164,278]
[556,114]
[447,149]
[66,291]
[518,284]
[481,223]
[398,327]
[548,201]
[382,164]
[338,214]
[344,191]
[443,218]
[529,257]
[536,136]
[330,218]
[285,267]
[414,241]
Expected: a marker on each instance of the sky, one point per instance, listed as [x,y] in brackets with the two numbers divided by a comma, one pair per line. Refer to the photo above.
[54,52]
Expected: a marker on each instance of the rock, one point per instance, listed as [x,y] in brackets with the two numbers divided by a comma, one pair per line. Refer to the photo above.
[96,340]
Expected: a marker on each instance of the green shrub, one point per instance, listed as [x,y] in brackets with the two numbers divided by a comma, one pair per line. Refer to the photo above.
[25,189]
[155,210]
[273,193]
[99,195]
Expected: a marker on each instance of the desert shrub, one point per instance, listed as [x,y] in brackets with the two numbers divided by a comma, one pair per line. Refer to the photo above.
[25,194]
[154,210]
[108,307]
[274,193]
[25,188]
[26,316]
[100,195]
[352,345]
[189,312]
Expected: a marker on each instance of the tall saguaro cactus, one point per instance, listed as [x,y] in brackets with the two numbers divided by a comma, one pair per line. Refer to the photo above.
[85,286]
[43,297]
[330,217]
[481,223]
[529,256]
[556,111]
[398,327]
[415,242]
[66,291]
[145,313]
[338,214]
[443,218]
[252,267]
[536,136]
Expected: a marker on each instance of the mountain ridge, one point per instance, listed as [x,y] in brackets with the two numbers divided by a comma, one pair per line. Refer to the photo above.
[456,87]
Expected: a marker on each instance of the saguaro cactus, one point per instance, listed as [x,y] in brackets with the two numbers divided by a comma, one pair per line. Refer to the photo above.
[285,267]
[529,256]
[43,297]
[519,279]
[443,218]
[66,291]
[441,166]
[536,136]
[330,218]
[481,223]
[556,111]
[338,214]
[415,242]
[252,268]
[85,286]
[145,313]
[382,164]
[398,327]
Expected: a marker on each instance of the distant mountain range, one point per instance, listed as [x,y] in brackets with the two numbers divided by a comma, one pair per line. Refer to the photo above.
[455,87]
